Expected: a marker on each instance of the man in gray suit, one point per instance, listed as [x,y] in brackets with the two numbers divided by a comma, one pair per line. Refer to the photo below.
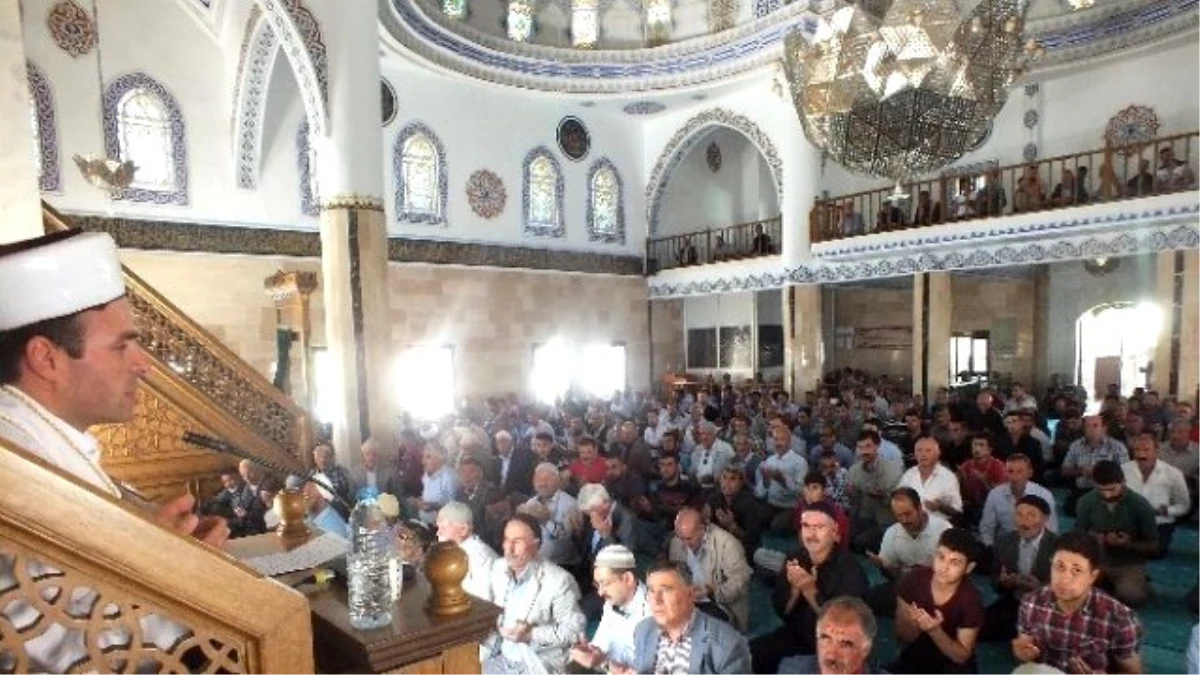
[677,638]
[1021,564]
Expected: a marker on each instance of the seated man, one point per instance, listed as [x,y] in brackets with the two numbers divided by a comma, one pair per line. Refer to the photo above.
[936,485]
[845,635]
[1021,563]
[939,611]
[621,483]
[375,471]
[589,467]
[1123,522]
[821,570]
[558,514]
[541,618]
[455,522]
[908,543]
[625,606]
[632,449]
[978,475]
[709,457]
[870,485]
[1161,484]
[734,509]
[837,479]
[781,478]
[1181,452]
[1071,625]
[672,492]
[239,505]
[718,565]
[605,523]
[1083,455]
[439,484]
[1000,508]
[336,477]
[677,639]
[321,512]
[815,492]
[480,494]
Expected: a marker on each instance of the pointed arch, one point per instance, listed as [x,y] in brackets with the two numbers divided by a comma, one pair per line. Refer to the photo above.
[542,194]
[45,125]
[605,203]
[166,123]
[419,165]
[260,51]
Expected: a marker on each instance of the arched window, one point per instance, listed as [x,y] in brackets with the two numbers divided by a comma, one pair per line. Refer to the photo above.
[306,158]
[142,123]
[585,23]
[658,22]
[44,127]
[422,187]
[543,194]
[606,205]
[520,20]
[455,9]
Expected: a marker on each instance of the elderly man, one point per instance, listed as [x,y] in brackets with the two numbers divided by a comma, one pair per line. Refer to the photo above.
[558,514]
[514,467]
[1161,484]
[1082,456]
[321,511]
[481,496]
[677,639]
[607,523]
[336,476]
[439,484]
[937,485]
[1021,564]
[781,478]
[709,456]
[632,450]
[625,605]
[456,523]
[909,543]
[999,511]
[374,472]
[541,617]
[239,504]
[820,571]
[845,635]
[718,564]
[870,485]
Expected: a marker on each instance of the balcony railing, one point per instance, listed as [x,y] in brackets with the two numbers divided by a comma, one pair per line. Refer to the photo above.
[748,240]
[1110,174]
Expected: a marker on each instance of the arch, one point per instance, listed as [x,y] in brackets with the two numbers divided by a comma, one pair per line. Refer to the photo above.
[310,204]
[113,95]
[617,234]
[403,213]
[259,55]
[551,227]
[300,39]
[42,99]
[686,138]
[1124,334]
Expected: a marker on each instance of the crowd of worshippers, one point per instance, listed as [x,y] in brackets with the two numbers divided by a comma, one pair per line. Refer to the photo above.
[578,498]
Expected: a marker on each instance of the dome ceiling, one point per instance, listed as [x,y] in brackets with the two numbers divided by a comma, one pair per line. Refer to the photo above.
[479,46]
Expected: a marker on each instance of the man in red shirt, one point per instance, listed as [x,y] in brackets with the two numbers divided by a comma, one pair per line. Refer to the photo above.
[978,475]
[590,467]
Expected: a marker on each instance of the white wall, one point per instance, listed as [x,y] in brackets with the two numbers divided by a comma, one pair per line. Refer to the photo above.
[743,189]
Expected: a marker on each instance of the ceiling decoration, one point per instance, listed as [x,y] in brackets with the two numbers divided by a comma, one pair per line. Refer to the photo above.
[644,108]
[72,28]
[900,88]
[485,194]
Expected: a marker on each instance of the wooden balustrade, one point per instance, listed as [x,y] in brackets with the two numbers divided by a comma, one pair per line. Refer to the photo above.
[1100,175]
[735,242]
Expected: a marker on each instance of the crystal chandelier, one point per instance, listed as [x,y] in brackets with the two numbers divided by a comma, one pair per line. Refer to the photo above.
[899,88]
[101,171]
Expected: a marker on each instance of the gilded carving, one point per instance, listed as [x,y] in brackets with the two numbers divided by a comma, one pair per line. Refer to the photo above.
[283,285]
[156,431]
[361,202]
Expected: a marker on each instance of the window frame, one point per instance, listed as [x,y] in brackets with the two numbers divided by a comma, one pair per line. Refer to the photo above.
[595,234]
[114,97]
[539,229]
[45,123]
[404,213]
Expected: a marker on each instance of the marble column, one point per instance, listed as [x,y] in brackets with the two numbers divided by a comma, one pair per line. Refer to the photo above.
[354,260]
[803,348]
[1176,356]
[20,198]
[802,174]
[932,306]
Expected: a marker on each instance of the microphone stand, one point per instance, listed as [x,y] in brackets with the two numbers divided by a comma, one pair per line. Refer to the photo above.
[217,445]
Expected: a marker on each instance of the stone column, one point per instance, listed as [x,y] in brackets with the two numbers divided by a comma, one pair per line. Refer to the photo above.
[1177,353]
[932,306]
[354,260]
[292,294]
[802,174]
[20,199]
[803,348]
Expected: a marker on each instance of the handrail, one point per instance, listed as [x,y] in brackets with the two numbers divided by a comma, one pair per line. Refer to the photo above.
[744,240]
[177,342]
[1111,173]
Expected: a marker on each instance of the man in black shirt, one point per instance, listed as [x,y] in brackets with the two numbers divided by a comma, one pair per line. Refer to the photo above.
[670,494]
[735,509]
[820,571]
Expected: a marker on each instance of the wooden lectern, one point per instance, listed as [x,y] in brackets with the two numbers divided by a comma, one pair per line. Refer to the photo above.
[416,642]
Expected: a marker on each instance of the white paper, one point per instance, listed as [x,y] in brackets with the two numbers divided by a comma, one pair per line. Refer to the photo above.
[310,554]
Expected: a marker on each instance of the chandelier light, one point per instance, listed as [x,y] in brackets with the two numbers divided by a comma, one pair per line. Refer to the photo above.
[899,88]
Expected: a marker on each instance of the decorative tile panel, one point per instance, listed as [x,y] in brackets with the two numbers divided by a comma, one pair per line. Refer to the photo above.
[548,229]
[616,235]
[310,204]
[112,146]
[254,77]
[300,39]
[486,194]
[43,102]
[403,213]
[72,28]
[688,136]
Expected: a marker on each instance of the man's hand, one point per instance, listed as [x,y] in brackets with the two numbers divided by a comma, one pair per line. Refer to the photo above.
[1076,664]
[176,515]
[724,517]
[1162,510]
[522,632]
[603,526]
[1025,649]
[587,655]
[1006,579]
[926,621]
[641,504]
[933,505]
[876,560]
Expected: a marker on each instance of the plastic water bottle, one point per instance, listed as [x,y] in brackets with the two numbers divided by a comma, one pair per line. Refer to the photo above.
[369,564]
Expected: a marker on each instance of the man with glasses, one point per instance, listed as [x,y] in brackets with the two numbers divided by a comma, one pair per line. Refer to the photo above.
[718,565]
[615,576]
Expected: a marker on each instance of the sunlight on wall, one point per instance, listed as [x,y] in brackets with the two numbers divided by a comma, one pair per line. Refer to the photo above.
[1123,335]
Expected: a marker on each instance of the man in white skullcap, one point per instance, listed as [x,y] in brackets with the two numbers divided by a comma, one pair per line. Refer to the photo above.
[456,523]
[70,359]
[615,574]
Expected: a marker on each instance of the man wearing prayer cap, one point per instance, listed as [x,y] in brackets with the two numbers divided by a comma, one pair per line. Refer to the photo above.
[70,359]
[615,574]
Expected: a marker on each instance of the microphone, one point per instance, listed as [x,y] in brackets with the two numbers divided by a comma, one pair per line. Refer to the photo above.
[220,446]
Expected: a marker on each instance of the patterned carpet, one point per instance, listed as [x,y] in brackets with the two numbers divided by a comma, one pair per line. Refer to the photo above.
[1166,620]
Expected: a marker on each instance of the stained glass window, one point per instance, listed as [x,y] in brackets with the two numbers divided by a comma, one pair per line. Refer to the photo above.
[419,162]
[520,20]
[585,23]
[658,22]
[605,220]
[543,207]
[144,136]
[455,9]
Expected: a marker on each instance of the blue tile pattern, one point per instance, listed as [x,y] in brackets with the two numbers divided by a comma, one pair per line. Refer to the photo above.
[43,101]
[403,213]
[606,236]
[644,108]
[309,204]
[555,229]
[260,47]
[112,145]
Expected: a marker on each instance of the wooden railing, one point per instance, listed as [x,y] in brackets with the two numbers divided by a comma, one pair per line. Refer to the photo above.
[1166,164]
[205,383]
[747,240]
[92,585]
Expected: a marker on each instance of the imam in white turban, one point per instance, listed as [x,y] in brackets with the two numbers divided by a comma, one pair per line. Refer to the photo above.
[57,275]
